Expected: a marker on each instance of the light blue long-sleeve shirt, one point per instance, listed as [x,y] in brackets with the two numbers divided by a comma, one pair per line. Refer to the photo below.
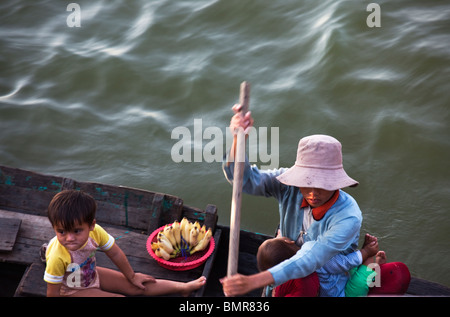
[336,233]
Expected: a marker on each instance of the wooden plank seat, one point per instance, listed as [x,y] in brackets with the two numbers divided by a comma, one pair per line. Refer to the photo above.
[9,227]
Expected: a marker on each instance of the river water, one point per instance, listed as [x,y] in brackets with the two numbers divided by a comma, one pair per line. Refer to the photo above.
[140,95]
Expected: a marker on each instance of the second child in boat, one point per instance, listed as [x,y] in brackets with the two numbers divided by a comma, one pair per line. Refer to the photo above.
[357,264]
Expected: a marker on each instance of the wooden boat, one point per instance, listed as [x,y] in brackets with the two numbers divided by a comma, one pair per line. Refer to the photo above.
[130,215]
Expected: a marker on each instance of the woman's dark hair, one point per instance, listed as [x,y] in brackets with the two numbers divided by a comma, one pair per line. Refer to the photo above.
[70,208]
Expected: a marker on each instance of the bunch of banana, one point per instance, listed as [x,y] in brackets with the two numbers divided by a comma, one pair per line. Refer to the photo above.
[183,238]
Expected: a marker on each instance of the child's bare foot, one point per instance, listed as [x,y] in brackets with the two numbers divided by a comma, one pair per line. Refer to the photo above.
[380,257]
[192,286]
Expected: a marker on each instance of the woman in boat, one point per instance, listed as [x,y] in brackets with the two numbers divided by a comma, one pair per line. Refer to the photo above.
[314,211]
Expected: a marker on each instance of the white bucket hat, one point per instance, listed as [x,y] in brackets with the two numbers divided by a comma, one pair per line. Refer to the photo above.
[318,165]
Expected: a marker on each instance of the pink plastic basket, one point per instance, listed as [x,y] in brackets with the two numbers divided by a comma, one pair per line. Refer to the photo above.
[180,263]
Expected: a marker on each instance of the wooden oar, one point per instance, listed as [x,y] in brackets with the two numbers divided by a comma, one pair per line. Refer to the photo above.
[239,162]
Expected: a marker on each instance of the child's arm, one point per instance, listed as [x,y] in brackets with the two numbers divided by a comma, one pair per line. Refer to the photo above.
[53,290]
[120,260]
[343,263]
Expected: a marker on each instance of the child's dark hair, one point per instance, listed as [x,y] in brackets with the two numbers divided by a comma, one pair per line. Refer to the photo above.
[70,208]
[274,251]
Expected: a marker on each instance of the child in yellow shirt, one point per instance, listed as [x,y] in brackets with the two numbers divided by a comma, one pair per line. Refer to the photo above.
[71,267]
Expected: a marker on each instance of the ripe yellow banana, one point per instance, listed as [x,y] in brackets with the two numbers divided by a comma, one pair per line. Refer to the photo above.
[164,243]
[201,233]
[168,232]
[169,240]
[202,244]
[186,233]
[193,234]
[184,227]
[183,223]
[177,233]
[163,254]
[155,246]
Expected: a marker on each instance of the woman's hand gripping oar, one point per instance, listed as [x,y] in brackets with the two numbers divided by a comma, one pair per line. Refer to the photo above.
[239,161]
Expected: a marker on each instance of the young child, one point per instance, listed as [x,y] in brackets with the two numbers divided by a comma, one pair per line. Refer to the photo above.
[274,251]
[71,267]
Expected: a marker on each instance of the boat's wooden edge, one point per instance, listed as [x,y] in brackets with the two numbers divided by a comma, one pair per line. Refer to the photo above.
[31,192]
[208,267]
[422,287]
